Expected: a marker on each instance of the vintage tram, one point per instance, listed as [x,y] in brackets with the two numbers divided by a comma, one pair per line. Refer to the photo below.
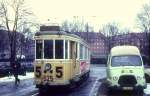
[61,58]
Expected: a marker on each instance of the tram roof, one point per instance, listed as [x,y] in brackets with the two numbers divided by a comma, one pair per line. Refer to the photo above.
[55,33]
[58,33]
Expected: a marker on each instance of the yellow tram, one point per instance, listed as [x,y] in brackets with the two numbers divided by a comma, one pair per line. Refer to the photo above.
[61,58]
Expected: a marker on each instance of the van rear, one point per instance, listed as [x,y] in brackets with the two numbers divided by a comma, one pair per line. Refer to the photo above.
[125,69]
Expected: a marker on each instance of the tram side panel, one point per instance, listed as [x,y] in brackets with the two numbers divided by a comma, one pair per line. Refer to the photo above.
[84,60]
[84,67]
[60,72]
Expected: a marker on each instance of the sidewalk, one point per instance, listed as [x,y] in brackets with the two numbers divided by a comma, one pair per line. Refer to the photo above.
[11,78]
[7,84]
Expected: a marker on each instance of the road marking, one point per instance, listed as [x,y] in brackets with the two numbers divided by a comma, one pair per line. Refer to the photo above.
[93,92]
[35,94]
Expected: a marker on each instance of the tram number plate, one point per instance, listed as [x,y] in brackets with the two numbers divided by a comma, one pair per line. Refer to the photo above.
[59,72]
[127,88]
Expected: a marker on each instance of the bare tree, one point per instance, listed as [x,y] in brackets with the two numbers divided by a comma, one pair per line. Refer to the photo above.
[110,30]
[143,22]
[78,26]
[88,29]
[13,14]
[65,26]
[75,26]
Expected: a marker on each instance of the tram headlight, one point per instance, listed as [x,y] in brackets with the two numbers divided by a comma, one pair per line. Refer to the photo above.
[47,66]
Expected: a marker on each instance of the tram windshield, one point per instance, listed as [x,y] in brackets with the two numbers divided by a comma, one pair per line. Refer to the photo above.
[58,49]
[51,49]
[48,49]
[38,49]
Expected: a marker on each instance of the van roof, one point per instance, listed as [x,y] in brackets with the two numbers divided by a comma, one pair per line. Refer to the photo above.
[125,50]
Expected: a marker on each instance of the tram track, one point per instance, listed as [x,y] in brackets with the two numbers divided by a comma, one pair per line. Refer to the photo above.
[77,90]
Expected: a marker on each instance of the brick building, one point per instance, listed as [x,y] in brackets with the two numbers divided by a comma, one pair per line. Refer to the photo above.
[97,45]
[135,39]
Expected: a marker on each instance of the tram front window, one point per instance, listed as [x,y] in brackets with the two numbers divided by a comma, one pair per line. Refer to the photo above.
[48,49]
[59,49]
[38,49]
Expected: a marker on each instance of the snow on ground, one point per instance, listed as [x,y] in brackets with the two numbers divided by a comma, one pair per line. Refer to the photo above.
[147,90]
[11,78]
[8,87]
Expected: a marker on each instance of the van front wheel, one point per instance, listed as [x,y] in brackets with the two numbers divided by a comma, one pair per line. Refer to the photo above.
[147,77]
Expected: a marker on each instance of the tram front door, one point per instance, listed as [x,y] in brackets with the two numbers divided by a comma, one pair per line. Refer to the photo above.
[73,56]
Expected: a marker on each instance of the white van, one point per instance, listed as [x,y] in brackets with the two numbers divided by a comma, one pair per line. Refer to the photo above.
[125,69]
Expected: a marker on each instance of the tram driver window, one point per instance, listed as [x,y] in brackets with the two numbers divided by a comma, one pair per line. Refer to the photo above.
[38,49]
[59,49]
[48,49]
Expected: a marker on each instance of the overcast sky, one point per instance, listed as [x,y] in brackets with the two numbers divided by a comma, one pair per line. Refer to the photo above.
[96,12]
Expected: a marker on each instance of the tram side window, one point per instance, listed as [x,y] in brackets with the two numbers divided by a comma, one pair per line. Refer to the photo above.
[38,49]
[85,53]
[76,50]
[89,54]
[71,49]
[66,49]
[48,49]
[59,49]
[81,51]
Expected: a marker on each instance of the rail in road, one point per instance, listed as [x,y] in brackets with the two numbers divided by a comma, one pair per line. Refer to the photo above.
[82,90]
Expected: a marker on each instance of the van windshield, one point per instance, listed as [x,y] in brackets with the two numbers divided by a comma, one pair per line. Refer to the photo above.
[130,60]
